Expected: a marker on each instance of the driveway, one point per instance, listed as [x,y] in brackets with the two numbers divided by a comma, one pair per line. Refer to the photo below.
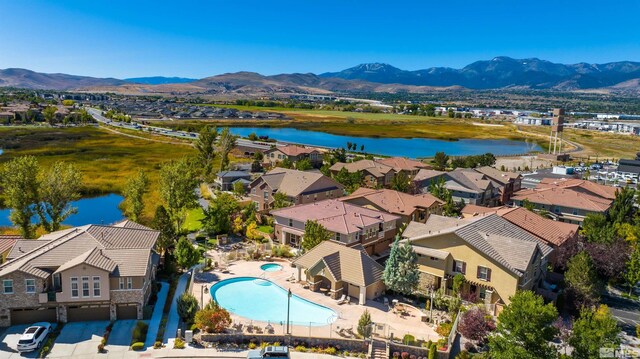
[9,342]
[120,336]
[80,338]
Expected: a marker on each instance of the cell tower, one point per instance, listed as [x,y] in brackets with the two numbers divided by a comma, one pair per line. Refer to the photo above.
[557,126]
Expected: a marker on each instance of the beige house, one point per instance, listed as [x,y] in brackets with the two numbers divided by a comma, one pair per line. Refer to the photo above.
[294,153]
[496,257]
[402,164]
[341,270]
[93,272]
[374,174]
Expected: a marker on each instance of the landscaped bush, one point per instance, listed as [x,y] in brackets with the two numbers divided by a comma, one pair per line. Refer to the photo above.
[301,348]
[282,251]
[252,345]
[214,320]
[139,332]
[157,345]
[330,350]
[178,344]
[444,329]
[408,339]
[137,346]
[101,348]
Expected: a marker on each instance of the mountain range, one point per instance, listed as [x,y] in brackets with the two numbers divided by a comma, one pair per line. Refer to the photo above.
[497,73]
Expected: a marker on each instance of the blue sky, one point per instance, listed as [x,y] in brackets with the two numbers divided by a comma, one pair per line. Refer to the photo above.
[202,38]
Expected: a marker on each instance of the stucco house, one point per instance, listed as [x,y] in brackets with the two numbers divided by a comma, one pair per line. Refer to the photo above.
[294,153]
[496,257]
[374,174]
[341,270]
[93,272]
[402,164]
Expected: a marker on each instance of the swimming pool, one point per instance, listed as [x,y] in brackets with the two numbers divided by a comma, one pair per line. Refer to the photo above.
[262,300]
[271,267]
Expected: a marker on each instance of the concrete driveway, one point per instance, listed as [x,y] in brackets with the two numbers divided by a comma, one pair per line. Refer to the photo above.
[120,336]
[9,342]
[76,339]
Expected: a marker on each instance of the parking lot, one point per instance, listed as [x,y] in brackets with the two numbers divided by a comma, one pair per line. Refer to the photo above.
[77,339]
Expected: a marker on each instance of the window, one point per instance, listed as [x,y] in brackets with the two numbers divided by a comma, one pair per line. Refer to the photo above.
[265,195]
[338,237]
[96,286]
[7,286]
[290,222]
[253,191]
[129,283]
[459,266]
[85,287]
[484,273]
[121,283]
[74,287]
[30,285]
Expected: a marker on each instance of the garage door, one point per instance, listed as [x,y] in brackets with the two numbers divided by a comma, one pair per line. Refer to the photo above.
[127,311]
[87,313]
[30,316]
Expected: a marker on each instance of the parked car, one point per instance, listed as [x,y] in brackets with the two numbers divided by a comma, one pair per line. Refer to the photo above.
[269,352]
[34,336]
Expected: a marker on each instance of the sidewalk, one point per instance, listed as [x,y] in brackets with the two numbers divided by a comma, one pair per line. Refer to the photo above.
[156,317]
[173,319]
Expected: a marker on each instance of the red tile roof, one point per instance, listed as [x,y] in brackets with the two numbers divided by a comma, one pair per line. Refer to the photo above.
[393,201]
[551,231]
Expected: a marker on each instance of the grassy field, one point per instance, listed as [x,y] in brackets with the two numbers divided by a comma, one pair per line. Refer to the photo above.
[106,159]
[192,222]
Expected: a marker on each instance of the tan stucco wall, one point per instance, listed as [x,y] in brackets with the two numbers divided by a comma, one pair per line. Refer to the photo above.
[79,272]
[137,282]
[375,290]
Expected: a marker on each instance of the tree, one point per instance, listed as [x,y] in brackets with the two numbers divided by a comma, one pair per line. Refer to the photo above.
[49,114]
[252,232]
[253,137]
[524,329]
[622,208]
[365,324]
[475,324]
[285,163]
[213,320]
[632,271]
[162,222]
[59,186]
[438,189]
[458,282]
[582,279]
[361,147]
[304,165]
[400,182]
[609,259]
[177,189]
[186,255]
[528,205]
[226,143]
[314,234]
[401,269]
[187,306]
[237,225]
[217,218]
[280,200]
[596,228]
[134,191]
[350,181]
[594,329]
[205,145]
[20,185]
[440,161]
[238,189]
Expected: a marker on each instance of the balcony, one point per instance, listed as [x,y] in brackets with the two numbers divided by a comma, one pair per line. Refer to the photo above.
[47,297]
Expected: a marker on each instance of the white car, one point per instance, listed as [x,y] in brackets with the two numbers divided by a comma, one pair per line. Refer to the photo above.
[34,336]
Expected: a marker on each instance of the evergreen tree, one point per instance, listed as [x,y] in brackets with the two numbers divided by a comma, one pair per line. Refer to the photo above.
[186,255]
[187,307]
[401,269]
[364,324]
[440,161]
[400,182]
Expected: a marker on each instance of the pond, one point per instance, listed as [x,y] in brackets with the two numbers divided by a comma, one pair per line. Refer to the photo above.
[93,210]
[403,147]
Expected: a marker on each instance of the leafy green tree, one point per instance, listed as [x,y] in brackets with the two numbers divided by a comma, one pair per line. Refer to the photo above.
[524,329]
[365,325]
[226,143]
[285,163]
[400,182]
[594,329]
[528,205]
[304,165]
[49,114]
[350,181]
[632,270]
[401,269]
[582,279]
[177,189]
[20,185]
[253,137]
[187,307]
[205,145]
[162,222]
[186,255]
[60,185]
[238,189]
[596,228]
[281,200]
[134,190]
[622,208]
[217,218]
[314,234]
[440,161]
[458,282]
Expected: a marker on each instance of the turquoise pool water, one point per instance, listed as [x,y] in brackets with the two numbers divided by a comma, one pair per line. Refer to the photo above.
[271,267]
[262,300]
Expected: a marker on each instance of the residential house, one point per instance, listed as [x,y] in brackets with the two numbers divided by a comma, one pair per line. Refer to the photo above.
[225,180]
[300,187]
[496,257]
[342,271]
[402,164]
[374,174]
[294,153]
[93,272]
[569,200]
[408,207]
[348,224]
[506,182]
[465,184]
[6,243]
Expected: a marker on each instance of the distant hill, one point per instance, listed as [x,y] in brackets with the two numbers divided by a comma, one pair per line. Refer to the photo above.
[500,72]
[159,80]
[23,78]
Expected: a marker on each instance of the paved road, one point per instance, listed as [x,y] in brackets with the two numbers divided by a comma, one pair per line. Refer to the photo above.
[625,310]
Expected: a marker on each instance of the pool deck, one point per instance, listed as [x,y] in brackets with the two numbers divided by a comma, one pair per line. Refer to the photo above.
[348,314]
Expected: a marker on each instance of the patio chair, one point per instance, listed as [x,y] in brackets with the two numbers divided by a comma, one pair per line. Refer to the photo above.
[342,299]
[385,300]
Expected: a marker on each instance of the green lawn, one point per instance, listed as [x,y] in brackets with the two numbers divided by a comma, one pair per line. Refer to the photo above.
[265,229]
[192,222]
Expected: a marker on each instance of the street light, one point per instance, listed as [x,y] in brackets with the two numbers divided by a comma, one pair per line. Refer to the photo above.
[203,289]
[288,308]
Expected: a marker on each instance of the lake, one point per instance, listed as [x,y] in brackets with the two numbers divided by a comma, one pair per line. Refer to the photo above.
[94,210]
[403,147]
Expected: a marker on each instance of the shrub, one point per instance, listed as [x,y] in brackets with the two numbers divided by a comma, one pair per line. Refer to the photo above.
[157,345]
[404,355]
[139,332]
[252,345]
[432,352]
[187,307]
[178,344]
[213,320]
[137,346]
[408,339]
[444,329]
[330,350]
[396,355]
[301,348]
[100,348]
[45,350]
